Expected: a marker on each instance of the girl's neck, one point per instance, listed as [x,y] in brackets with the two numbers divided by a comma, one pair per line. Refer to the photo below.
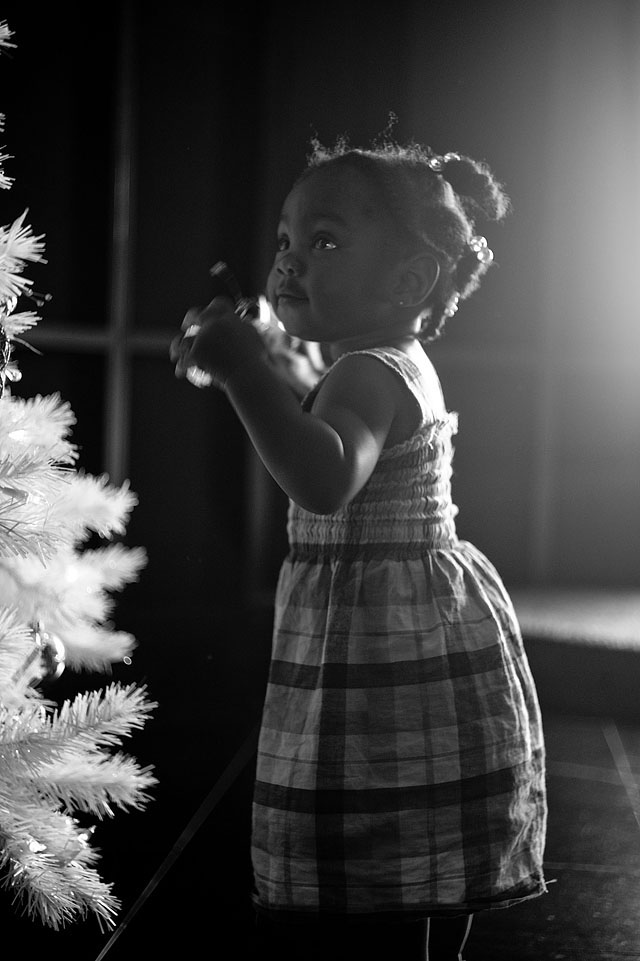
[397,335]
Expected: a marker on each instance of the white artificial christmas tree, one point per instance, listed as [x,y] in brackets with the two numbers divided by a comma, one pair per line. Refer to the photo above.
[56,762]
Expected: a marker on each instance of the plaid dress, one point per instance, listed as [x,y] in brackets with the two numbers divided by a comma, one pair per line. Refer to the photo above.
[400,769]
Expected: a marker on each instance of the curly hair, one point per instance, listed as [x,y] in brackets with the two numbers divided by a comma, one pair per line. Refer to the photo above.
[434,203]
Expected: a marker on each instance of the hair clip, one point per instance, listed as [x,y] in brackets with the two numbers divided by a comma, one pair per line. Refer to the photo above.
[452,305]
[480,248]
[438,163]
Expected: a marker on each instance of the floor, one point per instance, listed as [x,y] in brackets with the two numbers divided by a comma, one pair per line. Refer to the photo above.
[182,867]
[590,912]
[592,862]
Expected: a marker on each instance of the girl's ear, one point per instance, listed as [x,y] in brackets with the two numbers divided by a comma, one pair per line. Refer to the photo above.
[416,279]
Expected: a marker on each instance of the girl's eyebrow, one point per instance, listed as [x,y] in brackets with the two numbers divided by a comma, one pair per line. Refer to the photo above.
[319,215]
[330,217]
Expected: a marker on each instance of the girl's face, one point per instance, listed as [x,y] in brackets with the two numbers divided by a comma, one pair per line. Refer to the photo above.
[334,269]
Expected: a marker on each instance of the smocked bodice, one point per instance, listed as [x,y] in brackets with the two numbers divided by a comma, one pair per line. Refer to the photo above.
[405,507]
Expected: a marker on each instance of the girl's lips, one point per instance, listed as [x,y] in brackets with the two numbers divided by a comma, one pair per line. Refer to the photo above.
[285,297]
[290,293]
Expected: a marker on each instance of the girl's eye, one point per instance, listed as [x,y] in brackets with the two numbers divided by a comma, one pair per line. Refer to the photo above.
[324,243]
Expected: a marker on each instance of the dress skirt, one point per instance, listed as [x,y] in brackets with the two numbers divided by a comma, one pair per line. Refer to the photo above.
[401,757]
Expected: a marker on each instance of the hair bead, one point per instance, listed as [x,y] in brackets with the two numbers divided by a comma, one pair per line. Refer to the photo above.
[452,306]
[438,163]
[481,249]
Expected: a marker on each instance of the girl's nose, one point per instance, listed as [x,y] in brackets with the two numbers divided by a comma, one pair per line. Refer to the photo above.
[289,265]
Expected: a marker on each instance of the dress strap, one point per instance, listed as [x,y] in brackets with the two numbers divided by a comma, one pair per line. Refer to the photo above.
[403,366]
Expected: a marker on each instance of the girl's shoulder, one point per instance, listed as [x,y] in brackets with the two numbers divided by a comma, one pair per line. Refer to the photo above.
[410,365]
[405,376]
[357,377]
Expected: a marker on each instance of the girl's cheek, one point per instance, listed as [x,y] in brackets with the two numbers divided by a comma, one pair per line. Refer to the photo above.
[271,285]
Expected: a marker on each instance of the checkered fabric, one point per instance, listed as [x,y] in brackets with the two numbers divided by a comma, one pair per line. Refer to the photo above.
[400,765]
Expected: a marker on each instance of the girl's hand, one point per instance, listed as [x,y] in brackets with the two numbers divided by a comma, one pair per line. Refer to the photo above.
[215,340]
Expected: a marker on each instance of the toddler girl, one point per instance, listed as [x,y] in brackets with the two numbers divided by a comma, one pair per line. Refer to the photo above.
[400,771]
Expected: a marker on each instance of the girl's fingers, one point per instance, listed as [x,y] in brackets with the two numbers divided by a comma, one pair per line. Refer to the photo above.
[219,306]
[175,348]
[193,317]
[179,351]
[220,309]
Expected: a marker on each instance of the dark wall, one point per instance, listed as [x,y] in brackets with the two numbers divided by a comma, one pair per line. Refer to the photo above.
[225,98]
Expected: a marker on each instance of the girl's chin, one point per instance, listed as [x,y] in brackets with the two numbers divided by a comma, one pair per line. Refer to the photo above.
[298,321]
[295,323]
[291,310]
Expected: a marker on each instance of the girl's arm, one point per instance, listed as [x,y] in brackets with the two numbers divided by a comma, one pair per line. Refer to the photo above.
[320,459]
[323,458]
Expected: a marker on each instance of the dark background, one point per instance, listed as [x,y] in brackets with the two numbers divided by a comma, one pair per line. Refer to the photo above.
[218,102]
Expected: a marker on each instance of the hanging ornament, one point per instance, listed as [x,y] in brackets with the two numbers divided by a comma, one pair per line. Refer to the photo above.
[5,357]
[51,651]
[77,844]
[8,369]
[35,846]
